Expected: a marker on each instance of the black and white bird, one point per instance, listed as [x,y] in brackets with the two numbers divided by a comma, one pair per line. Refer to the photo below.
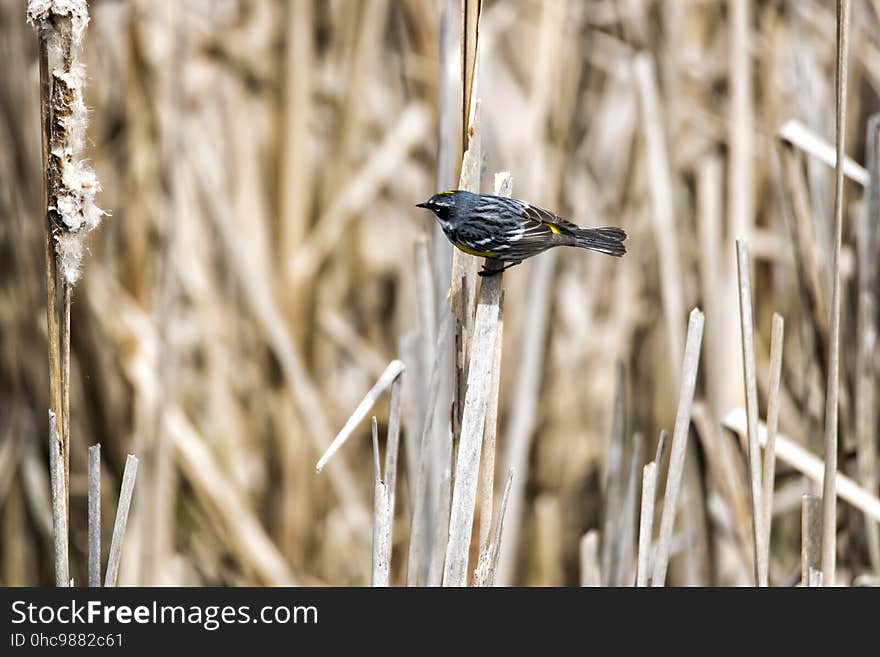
[511,230]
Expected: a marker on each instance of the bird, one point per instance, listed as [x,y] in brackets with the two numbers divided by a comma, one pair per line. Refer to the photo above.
[511,230]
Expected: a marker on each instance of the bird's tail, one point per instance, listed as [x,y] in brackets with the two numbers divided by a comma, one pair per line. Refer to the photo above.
[603,240]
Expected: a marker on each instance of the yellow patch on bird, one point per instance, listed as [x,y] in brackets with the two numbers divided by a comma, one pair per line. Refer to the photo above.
[448,191]
[554,229]
[474,252]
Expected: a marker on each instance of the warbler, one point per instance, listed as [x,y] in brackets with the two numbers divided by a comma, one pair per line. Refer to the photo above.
[511,230]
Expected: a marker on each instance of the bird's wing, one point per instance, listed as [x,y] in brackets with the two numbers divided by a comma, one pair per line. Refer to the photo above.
[548,220]
[534,230]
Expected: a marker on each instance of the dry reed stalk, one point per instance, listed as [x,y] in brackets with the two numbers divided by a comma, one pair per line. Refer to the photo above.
[741,177]
[116,542]
[811,539]
[662,452]
[473,419]
[829,495]
[591,573]
[470,35]
[95,515]
[389,376]
[503,187]
[392,449]
[59,503]
[663,206]
[487,466]
[614,481]
[751,394]
[66,293]
[865,383]
[70,183]
[689,369]
[463,279]
[487,563]
[296,170]
[646,523]
[791,453]
[797,134]
[808,257]
[476,330]
[60,30]
[769,469]
[381,558]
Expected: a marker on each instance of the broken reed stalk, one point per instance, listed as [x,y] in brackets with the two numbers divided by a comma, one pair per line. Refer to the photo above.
[464,493]
[751,393]
[769,470]
[394,369]
[392,449]
[689,369]
[125,493]
[380,570]
[646,522]
[662,452]
[487,564]
[59,502]
[829,494]
[95,515]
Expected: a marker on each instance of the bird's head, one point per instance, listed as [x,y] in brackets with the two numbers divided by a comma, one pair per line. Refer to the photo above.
[440,204]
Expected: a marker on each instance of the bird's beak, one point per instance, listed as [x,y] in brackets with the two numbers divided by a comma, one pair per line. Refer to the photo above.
[423,205]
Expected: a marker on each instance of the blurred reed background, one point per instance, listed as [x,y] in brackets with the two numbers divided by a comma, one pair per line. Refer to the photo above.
[264,263]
